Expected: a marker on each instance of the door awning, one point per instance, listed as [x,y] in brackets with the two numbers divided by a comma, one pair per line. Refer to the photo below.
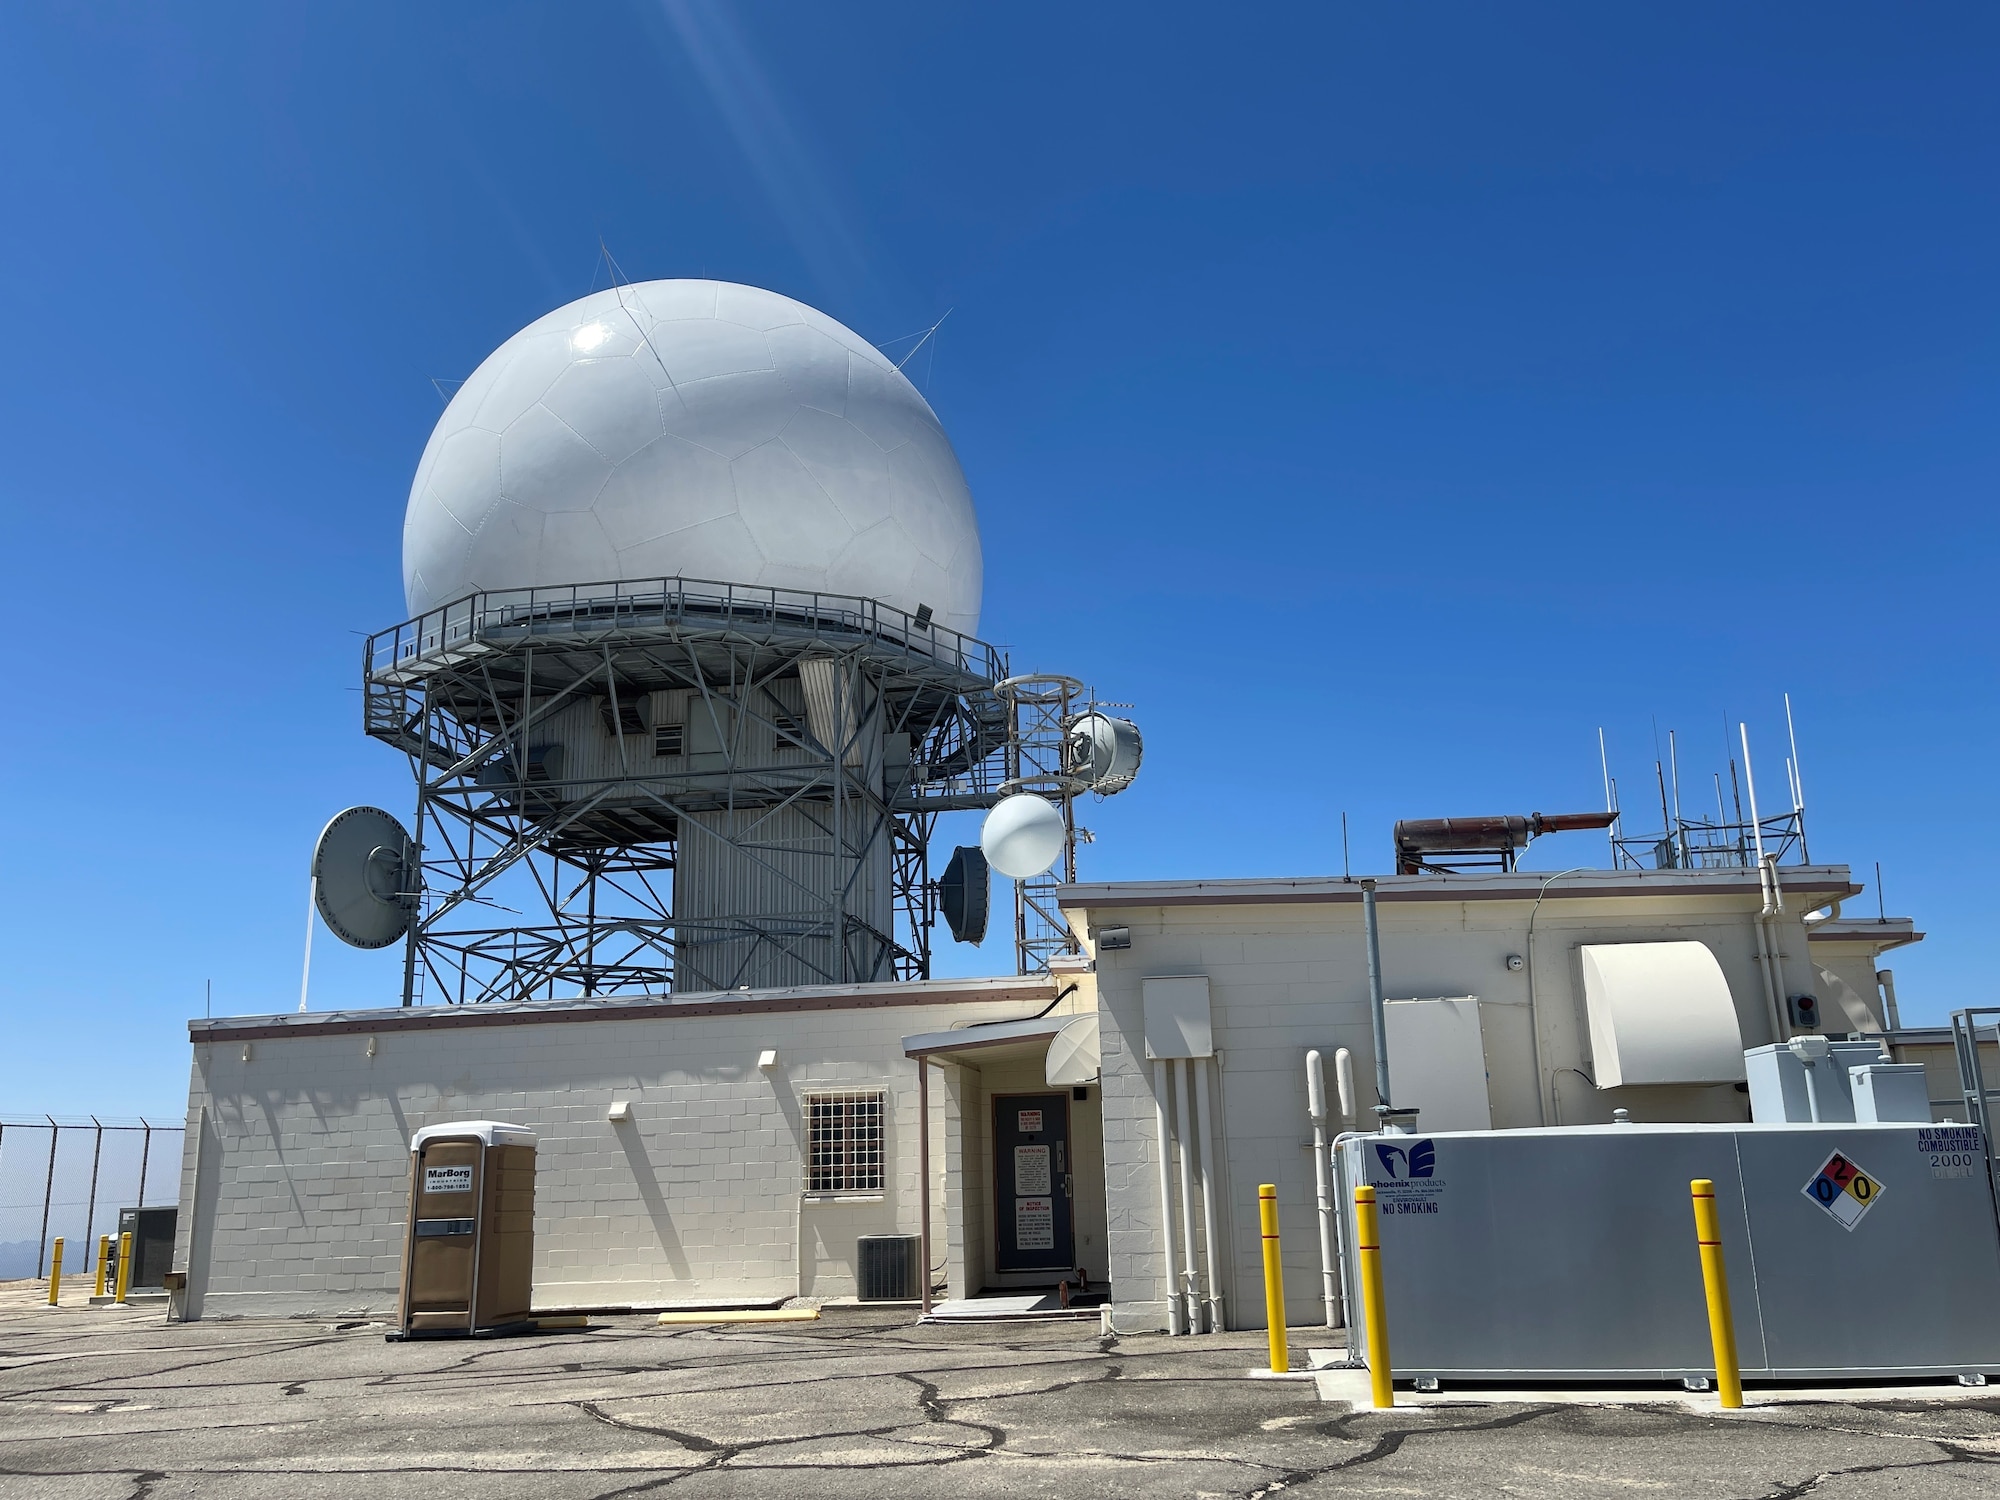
[1067,1044]
[985,1036]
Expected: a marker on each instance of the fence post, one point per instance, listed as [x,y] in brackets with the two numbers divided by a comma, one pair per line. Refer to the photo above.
[90,1212]
[48,1192]
[145,1155]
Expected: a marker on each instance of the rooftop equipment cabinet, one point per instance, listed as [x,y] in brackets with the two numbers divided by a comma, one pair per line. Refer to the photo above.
[468,1258]
[152,1231]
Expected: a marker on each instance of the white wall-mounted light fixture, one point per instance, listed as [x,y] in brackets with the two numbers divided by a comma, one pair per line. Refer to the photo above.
[246,1052]
[371,1046]
[621,1109]
[767,1058]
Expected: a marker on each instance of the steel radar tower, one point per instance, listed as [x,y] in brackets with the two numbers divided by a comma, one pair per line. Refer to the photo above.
[692,671]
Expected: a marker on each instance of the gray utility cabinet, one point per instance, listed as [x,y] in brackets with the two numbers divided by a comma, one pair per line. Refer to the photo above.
[1569,1253]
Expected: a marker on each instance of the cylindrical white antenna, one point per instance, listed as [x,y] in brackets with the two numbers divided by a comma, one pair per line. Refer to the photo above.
[1798,771]
[1750,785]
[1680,826]
[1604,763]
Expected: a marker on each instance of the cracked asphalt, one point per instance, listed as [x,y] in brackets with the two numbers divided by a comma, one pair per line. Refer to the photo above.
[118,1405]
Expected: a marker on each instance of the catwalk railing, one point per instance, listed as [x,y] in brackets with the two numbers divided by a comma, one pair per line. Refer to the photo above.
[465,625]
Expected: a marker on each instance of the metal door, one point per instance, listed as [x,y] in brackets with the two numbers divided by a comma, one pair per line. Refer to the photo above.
[1031,1183]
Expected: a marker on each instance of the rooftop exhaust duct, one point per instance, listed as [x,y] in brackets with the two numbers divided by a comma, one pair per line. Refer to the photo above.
[1454,846]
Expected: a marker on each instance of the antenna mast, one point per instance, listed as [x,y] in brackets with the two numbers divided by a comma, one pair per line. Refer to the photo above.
[1610,803]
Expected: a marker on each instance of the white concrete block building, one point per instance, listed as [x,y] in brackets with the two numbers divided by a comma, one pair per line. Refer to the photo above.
[927,1107]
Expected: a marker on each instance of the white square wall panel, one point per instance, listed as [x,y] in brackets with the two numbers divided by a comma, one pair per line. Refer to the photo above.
[1437,1062]
[1177,1016]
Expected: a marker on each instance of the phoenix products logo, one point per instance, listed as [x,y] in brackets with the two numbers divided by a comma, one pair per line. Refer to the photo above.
[1419,1160]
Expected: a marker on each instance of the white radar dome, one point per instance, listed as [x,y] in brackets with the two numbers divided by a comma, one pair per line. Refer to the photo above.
[693,429]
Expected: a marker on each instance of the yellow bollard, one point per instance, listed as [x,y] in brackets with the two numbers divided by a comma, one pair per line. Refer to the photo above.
[1715,1281]
[55,1272]
[1274,1280]
[124,1265]
[1368,1248]
[103,1259]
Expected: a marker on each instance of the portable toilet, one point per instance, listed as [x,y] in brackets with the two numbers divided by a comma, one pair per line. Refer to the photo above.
[469,1255]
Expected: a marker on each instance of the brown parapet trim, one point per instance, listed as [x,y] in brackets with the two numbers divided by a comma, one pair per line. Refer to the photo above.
[1832,889]
[439,1018]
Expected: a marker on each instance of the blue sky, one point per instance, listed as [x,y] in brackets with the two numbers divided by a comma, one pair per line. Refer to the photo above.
[1380,398]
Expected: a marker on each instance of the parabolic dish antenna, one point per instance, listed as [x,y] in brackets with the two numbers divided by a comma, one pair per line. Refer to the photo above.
[1022,836]
[364,879]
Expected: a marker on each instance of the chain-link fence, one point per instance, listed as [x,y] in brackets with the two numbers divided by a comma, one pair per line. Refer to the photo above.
[69,1177]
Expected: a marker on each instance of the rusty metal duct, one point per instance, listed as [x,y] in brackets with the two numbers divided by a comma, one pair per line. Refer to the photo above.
[1450,846]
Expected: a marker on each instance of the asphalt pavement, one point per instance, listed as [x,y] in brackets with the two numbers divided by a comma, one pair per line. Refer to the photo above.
[103,1404]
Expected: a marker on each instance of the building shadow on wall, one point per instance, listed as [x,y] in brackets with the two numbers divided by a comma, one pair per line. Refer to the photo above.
[650,1193]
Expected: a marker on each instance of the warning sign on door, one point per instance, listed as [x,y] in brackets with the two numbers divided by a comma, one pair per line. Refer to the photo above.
[1843,1190]
[1028,1121]
[1034,1224]
[1031,1171]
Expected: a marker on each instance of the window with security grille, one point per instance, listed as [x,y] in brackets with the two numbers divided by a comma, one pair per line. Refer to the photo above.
[844,1142]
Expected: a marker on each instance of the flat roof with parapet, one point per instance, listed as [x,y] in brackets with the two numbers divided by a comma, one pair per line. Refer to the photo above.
[1817,884]
[1024,988]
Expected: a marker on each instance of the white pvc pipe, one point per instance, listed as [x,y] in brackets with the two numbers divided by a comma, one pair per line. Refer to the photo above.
[1316,1107]
[1166,1195]
[1201,1110]
[1190,1275]
[1886,978]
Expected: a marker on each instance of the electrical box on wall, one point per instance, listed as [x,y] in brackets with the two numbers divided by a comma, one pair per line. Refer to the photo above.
[1177,1016]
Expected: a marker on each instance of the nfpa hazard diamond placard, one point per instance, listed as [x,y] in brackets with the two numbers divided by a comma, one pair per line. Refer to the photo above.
[1843,1190]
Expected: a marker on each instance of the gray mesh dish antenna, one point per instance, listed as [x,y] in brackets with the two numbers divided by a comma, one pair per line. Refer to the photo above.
[365,882]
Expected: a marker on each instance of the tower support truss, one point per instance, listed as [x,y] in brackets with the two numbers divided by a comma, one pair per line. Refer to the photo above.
[679,784]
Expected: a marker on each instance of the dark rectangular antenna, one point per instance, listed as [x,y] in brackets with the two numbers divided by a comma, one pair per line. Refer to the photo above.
[1346,871]
[1881,906]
